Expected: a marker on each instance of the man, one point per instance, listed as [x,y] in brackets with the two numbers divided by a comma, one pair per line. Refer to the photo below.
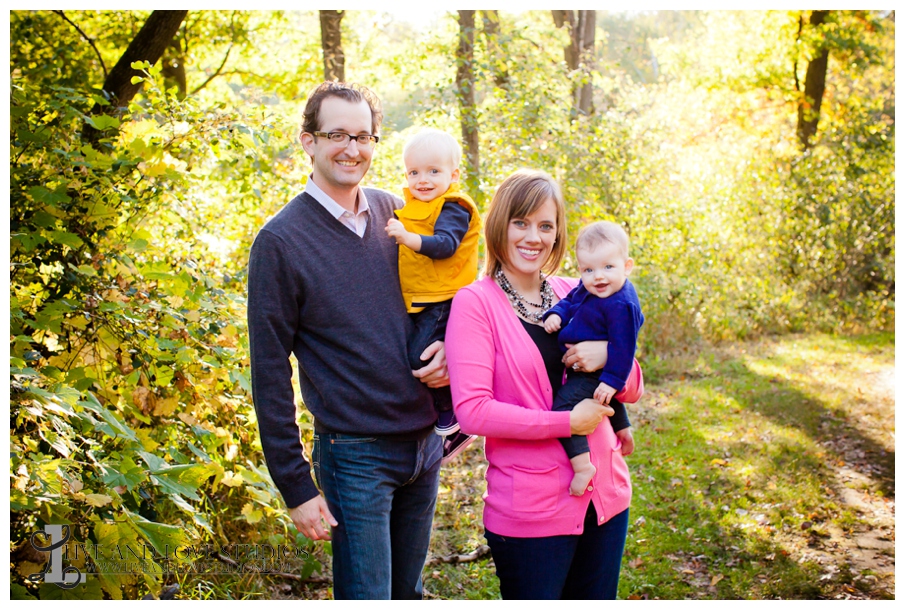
[323,284]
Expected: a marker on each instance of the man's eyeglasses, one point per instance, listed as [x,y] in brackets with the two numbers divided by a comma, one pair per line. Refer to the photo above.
[339,137]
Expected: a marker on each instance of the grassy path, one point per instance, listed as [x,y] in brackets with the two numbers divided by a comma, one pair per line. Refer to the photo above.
[761,470]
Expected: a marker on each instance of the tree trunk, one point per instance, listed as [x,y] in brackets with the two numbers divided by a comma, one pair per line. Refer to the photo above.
[814,86]
[465,91]
[579,53]
[495,56]
[586,33]
[332,45]
[148,45]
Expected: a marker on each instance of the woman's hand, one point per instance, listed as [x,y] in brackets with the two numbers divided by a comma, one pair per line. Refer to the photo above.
[586,415]
[588,355]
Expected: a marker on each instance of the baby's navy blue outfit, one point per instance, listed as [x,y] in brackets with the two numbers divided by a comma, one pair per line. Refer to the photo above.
[585,317]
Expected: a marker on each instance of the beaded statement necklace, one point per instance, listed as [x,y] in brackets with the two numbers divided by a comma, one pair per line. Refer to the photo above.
[519,302]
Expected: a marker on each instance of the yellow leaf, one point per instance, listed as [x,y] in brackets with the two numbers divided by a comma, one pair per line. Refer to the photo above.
[167,406]
[187,418]
[98,500]
[144,435]
[230,479]
[153,169]
[27,568]
[716,579]
[139,129]
[252,515]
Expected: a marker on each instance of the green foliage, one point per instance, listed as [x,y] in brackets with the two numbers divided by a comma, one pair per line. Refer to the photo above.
[131,415]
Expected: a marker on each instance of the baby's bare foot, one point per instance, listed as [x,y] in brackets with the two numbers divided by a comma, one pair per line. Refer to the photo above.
[582,479]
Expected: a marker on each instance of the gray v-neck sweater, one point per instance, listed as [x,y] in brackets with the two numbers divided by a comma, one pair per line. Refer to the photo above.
[319,291]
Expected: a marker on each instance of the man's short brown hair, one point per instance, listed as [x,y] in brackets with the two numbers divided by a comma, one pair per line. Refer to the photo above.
[349,92]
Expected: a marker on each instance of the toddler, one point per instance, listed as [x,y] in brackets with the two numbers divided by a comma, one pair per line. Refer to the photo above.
[604,306]
[437,232]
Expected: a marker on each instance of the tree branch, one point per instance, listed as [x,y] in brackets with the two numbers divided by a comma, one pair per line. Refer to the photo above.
[215,74]
[87,39]
[482,551]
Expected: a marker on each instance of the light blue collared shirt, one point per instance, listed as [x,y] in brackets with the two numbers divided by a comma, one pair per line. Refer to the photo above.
[357,223]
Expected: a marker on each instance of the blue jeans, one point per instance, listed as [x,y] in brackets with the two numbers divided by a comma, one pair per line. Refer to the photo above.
[562,567]
[382,493]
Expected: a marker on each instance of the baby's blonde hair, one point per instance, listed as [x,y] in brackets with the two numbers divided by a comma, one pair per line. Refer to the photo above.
[434,140]
[601,231]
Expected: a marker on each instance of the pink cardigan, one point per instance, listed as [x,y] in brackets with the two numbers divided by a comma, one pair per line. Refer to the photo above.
[501,390]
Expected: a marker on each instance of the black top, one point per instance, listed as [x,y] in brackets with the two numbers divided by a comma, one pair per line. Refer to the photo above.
[548,346]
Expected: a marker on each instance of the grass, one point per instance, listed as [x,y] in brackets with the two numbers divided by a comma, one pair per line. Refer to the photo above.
[762,470]
[746,460]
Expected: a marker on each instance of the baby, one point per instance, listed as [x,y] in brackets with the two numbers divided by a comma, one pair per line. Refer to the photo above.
[437,231]
[604,306]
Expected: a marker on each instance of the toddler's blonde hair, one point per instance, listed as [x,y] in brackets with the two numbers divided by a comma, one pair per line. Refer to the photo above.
[434,140]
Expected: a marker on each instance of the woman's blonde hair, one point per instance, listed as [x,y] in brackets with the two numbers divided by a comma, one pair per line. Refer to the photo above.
[519,196]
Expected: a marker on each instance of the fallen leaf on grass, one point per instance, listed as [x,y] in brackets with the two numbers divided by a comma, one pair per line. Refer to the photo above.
[716,579]
[635,563]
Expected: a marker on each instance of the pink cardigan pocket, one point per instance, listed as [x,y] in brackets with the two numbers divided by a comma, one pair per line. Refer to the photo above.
[533,489]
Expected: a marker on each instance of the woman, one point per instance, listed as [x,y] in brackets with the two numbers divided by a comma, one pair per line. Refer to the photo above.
[503,366]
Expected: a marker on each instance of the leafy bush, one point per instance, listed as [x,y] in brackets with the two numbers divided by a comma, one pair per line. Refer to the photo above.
[131,418]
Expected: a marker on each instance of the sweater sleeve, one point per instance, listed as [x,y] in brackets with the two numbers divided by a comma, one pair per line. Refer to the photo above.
[471,357]
[623,321]
[563,307]
[449,230]
[274,299]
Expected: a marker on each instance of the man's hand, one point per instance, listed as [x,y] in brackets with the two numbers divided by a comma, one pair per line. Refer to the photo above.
[604,393]
[552,323]
[309,518]
[435,374]
[628,442]
[396,230]
[586,415]
[588,355]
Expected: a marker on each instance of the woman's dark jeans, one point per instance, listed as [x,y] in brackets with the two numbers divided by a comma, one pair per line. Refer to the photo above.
[562,567]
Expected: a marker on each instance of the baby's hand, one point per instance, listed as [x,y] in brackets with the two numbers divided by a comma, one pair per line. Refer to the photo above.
[628,443]
[552,323]
[396,230]
[604,393]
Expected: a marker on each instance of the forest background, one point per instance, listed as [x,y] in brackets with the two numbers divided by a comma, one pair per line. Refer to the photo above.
[749,154]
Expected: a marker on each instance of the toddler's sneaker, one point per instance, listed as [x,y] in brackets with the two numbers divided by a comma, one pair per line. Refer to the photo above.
[446,424]
[454,444]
